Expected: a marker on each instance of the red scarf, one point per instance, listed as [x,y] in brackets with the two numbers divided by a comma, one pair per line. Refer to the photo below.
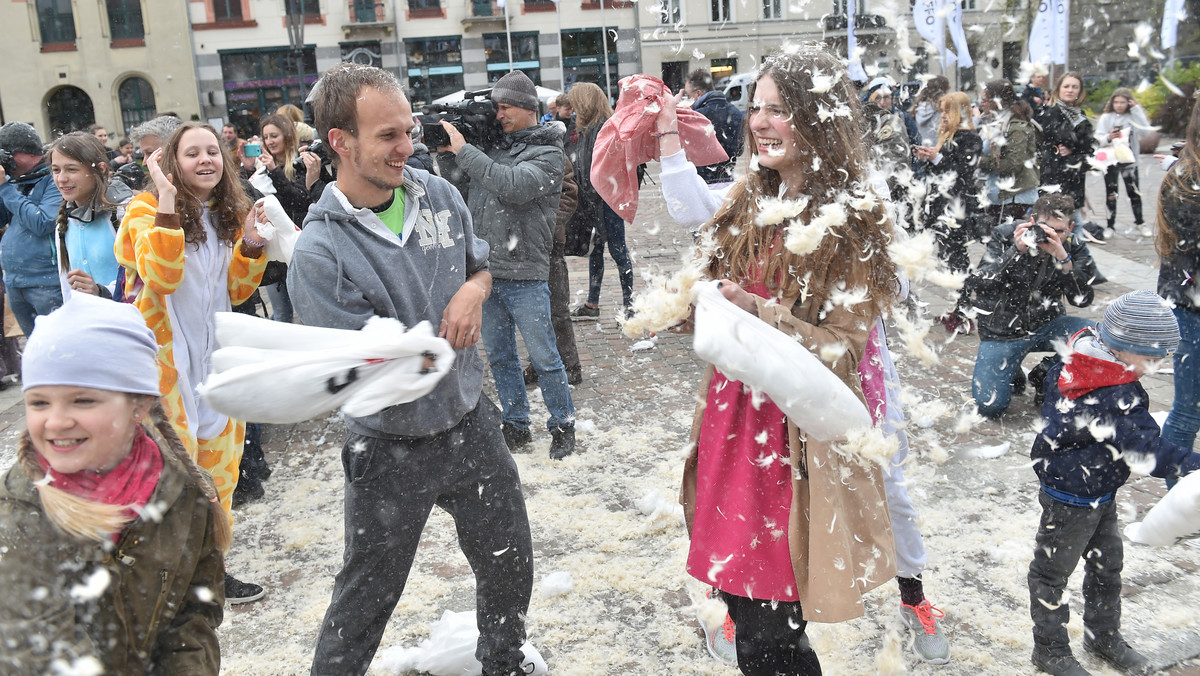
[1083,373]
[132,482]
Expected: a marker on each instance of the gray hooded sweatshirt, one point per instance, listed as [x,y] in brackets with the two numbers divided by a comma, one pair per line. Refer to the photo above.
[514,194]
[348,267]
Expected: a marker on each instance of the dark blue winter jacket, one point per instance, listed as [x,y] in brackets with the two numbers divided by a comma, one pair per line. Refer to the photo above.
[1081,452]
[727,123]
[29,206]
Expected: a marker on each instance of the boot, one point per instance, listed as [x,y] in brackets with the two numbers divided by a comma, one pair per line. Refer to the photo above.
[515,437]
[563,443]
[1058,665]
[1117,652]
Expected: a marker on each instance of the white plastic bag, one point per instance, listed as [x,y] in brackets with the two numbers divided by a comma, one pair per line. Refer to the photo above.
[273,372]
[1175,518]
[745,348]
[450,651]
[280,233]
[260,180]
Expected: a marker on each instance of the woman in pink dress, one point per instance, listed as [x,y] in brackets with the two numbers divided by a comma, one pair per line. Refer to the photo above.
[786,527]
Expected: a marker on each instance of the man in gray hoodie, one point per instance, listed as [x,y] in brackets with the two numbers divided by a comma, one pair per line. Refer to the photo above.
[514,190]
[392,241]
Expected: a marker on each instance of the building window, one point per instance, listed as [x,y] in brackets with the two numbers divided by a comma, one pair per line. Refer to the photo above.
[366,53]
[772,9]
[718,11]
[303,7]
[839,7]
[969,5]
[583,58]
[670,12]
[56,21]
[125,19]
[257,81]
[434,67]
[227,10]
[722,68]
[415,5]
[137,102]
[366,11]
[524,55]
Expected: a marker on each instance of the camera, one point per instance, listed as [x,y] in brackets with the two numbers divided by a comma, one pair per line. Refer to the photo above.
[317,148]
[474,117]
[8,163]
[1035,235]
[252,150]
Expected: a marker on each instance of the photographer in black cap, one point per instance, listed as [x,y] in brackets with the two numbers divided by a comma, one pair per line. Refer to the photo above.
[514,192]
[29,204]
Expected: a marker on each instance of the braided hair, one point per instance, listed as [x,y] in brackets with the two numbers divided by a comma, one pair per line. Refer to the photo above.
[90,152]
[87,520]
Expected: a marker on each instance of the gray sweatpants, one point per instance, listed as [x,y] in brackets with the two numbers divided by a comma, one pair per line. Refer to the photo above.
[1065,534]
[392,486]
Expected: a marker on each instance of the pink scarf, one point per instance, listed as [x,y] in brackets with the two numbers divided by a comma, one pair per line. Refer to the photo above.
[132,482]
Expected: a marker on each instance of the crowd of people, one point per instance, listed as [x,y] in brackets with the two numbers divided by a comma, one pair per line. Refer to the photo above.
[117,262]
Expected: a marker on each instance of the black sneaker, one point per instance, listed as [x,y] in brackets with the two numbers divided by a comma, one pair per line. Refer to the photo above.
[1058,665]
[247,491]
[584,313]
[1117,652]
[563,443]
[238,592]
[515,437]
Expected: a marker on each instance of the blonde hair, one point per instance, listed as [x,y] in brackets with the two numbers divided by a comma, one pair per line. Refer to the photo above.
[957,108]
[91,521]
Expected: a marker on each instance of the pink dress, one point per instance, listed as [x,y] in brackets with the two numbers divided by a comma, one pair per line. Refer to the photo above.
[743,494]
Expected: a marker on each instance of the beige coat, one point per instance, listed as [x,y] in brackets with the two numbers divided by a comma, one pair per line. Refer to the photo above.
[839,531]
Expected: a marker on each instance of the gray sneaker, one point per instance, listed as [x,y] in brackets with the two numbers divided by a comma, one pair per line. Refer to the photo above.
[928,643]
[720,639]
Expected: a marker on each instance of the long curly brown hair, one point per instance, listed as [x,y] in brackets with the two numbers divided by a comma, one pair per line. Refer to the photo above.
[1183,180]
[229,202]
[836,149]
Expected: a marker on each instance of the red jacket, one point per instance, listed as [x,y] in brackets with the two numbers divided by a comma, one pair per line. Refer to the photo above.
[625,141]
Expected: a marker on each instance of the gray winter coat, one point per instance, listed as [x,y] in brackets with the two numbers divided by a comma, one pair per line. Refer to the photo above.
[514,193]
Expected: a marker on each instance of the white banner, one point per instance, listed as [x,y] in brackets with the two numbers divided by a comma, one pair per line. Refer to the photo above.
[957,34]
[1048,39]
[853,63]
[1173,12]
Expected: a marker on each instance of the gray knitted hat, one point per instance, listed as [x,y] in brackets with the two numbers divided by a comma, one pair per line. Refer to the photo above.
[18,137]
[516,89]
[1140,322]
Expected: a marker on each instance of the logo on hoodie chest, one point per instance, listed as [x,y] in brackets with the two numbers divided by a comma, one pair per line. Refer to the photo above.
[434,229]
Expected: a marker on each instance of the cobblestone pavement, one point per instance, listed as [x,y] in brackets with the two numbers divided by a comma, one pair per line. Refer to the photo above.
[605,515]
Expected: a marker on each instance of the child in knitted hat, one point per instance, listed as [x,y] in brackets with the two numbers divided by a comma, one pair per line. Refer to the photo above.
[112,541]
[1096,424]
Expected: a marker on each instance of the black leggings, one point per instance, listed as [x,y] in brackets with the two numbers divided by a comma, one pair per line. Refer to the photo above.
[770,638]
[1130,173]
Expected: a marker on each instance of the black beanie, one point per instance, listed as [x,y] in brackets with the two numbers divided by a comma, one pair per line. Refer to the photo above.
[516,89]
[18,137]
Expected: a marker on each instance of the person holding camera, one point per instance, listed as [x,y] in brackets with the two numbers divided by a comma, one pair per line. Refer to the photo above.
[1018,291]
[29,205]
[514,192]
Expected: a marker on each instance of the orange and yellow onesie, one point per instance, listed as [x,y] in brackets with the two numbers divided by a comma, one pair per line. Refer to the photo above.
[155,257]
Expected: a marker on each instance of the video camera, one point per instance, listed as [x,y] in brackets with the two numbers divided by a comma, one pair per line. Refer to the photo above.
[474,117]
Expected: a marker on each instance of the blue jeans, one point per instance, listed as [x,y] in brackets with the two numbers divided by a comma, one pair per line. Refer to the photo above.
[1184,420]
[281,303]
[30,301]
[525,305]
[614,233]
[998,361]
